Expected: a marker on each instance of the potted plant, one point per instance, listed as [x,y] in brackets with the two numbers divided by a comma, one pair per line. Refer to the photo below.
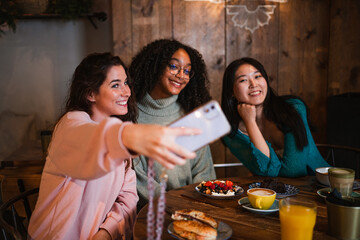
[70,9]
[9,11]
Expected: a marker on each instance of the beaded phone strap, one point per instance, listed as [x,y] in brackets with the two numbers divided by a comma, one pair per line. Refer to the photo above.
[161,203]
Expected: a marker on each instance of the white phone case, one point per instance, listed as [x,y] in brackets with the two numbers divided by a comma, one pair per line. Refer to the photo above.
[210,119]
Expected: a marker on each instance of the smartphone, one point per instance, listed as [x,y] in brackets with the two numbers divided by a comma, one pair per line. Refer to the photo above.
[210,119]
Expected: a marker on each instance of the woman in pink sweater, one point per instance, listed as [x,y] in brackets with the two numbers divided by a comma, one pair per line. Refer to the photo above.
[88,188]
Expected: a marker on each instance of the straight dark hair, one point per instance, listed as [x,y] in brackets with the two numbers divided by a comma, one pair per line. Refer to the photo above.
[276,108]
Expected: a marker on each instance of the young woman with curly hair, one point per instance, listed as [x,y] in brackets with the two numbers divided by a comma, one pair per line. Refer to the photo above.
[270,133]
[170,80]
[88,188]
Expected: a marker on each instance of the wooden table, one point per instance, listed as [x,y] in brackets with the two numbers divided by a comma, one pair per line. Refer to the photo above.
[22,169]
[245,224]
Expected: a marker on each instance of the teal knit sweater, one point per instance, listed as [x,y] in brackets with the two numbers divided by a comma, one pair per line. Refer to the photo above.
[163,112]
[293,163]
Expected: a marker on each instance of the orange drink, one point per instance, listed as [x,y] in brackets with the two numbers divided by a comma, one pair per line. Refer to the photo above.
[297,219]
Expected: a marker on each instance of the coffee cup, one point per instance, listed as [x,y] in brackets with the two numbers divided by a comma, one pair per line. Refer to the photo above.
[342,179]
[261,198]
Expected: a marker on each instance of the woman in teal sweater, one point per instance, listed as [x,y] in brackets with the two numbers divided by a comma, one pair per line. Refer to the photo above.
[270,133]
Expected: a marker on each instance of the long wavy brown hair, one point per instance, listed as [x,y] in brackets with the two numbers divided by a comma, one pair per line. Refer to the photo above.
[88,77]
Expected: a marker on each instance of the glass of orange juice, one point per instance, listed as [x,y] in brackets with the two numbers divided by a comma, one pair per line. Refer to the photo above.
[297,219]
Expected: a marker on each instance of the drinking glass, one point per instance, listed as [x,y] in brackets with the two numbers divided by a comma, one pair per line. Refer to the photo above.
[342,179]
[297,219]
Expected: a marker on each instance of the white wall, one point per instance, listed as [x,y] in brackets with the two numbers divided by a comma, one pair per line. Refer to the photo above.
[36,63]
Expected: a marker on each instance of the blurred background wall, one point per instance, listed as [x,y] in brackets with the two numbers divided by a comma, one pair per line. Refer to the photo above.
[37,61]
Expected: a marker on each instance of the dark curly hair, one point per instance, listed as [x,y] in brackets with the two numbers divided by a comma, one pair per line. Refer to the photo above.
[88,77]
[151,62]
[276,108]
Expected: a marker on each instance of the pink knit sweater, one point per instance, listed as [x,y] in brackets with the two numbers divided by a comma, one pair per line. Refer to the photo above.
[84,185]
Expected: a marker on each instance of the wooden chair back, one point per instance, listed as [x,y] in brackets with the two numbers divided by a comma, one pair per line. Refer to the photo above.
[341,156]
[14,184]
[12,224]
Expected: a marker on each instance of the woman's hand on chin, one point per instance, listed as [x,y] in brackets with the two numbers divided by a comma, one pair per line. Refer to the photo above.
[247,112]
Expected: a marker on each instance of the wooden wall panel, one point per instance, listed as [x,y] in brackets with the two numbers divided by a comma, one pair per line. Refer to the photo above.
[151,20]
[138,22]
[344,57]
[304,32]
[121,21]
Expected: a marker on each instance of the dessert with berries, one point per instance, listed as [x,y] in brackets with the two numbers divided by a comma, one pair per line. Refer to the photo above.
[219,188]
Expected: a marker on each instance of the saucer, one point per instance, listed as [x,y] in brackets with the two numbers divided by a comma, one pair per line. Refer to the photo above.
[244,202]
[324,192]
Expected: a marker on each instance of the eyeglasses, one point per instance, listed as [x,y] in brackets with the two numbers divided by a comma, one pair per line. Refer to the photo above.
[175,70]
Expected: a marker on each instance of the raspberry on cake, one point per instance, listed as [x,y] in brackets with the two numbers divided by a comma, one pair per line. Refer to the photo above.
[218,187]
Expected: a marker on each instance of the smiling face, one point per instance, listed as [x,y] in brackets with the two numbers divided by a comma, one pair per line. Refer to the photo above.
[172,84]
[249,86]
[113,95]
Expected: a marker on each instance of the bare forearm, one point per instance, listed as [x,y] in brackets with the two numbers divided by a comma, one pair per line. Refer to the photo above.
[257,138]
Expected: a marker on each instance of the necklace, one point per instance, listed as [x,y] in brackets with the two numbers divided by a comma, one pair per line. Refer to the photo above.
[160,206]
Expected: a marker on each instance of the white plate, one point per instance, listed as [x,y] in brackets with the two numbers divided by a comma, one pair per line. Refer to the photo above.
[244,202]
[324,192]
[290,190]
[241,191]
[224,231]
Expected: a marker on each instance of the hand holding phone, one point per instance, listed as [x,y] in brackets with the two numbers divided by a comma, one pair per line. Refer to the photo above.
[210,119]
